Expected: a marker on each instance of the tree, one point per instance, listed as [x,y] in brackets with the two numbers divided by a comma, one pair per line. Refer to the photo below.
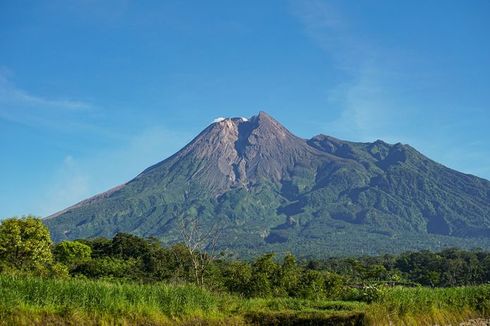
[25,244]
[71,252]
[101,247]
[264,272]
[333,285]
[237,276]
[126,245]
[311,285]
[201,243]
[109,267]
[163,264]
[288,275]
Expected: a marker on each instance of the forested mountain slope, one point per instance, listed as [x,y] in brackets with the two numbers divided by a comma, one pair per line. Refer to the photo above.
[270,190]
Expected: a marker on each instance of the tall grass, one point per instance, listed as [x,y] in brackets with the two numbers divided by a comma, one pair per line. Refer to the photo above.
[428,306]
[31,300]
[106,300]
[26,300]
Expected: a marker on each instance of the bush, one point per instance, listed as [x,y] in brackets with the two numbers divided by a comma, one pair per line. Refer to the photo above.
[25,245]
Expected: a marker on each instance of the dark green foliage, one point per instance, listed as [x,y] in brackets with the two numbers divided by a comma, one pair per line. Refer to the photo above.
[146,260]
[126,246]
[264,272]
[101,247]
[164,264]
[133,258]
[451,267]
[237,277]
[447,268]
[109,268]
[71,252]
[366,279]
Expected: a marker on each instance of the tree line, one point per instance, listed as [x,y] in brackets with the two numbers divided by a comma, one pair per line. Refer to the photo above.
[26,247]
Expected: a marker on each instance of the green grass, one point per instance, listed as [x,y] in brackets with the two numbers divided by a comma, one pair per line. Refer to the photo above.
[31,300]
[106,300]
[26,300]
[428,306]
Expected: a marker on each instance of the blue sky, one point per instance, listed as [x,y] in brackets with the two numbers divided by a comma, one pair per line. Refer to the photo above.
[92,92]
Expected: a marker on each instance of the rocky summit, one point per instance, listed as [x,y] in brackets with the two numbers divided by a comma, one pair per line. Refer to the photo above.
[269,190]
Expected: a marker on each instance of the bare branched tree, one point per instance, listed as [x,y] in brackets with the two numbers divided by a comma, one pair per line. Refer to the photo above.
[201,242]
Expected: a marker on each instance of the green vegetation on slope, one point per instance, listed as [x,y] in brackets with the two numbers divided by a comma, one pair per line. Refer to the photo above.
[272,191]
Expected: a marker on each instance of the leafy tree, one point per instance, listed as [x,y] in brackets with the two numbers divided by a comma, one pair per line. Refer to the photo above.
[264,269]
[164,264]
[126,245]
[72,252]
[109,267]
[237,277]
[25,244]
[376,272]
[288,275]
[333,285]
[311,285]
[101,247]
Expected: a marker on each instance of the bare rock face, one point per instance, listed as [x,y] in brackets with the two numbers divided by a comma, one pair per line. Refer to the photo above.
[276,191]
[240,152]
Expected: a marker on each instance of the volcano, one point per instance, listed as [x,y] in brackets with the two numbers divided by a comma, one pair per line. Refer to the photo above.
[273,191]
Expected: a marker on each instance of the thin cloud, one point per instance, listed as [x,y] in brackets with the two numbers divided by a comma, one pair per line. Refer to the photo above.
[13,97]
[369,109]
[366,101]
[359,97]
[317,15]
[374,99]
[64,115]
[69,185]
[330,30]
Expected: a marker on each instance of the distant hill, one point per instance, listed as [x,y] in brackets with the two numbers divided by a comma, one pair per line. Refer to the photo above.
[272,191]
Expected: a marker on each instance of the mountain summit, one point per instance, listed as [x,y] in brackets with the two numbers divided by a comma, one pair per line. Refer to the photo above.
[274,191]
[240,152]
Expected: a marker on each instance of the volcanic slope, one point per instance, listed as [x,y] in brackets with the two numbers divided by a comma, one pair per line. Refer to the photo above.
[270,190]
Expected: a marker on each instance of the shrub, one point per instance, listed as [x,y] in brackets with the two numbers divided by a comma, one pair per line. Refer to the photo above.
[25,245]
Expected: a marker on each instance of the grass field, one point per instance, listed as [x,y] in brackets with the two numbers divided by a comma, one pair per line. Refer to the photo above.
[427,306]
[28,300]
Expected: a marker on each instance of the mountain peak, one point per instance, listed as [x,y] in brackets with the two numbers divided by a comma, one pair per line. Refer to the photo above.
[261,125]
[264,116]
[266,126]
[260,118]
[237,151]
[257,176]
